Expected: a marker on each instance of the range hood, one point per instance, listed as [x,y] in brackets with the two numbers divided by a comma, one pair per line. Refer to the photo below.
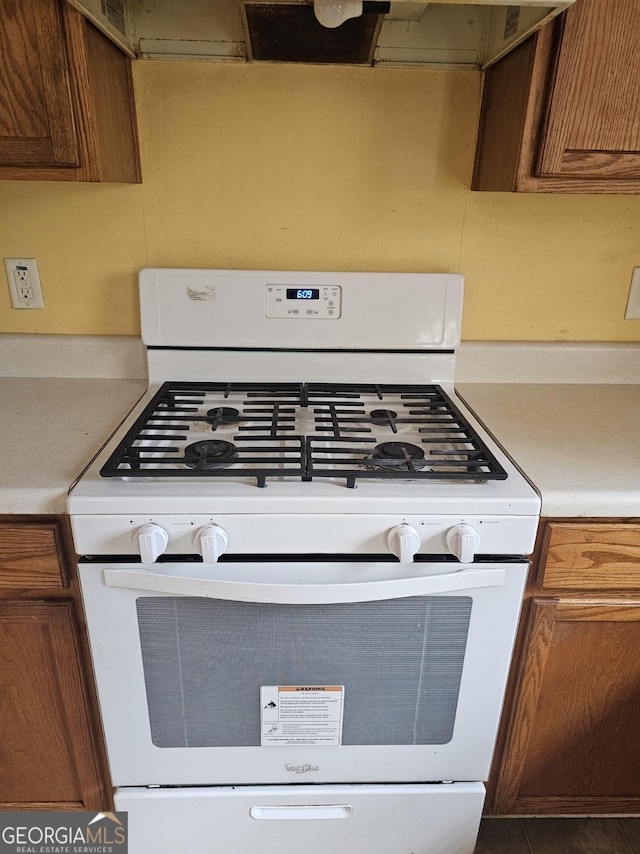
[445,33]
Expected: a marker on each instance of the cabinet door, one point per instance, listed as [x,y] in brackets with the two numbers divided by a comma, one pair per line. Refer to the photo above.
[66,97]
[593,126]
[573,743]
[47,760]
[561,112]
[36,110]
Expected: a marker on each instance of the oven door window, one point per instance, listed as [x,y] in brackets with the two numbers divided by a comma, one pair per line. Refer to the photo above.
[400,661]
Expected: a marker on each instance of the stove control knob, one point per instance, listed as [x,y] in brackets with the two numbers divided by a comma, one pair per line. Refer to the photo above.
[211,543]
[463,541]
[151,541]
[403,541]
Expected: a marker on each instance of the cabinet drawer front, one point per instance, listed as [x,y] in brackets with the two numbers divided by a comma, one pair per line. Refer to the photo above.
[29,556]
[593,556]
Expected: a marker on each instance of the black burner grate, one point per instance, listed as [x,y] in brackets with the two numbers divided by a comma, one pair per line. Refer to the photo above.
[182,415]
[303,431]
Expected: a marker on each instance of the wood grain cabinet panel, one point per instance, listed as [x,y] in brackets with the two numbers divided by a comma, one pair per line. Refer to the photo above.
[51,752]
[36,112]
[66,97]
[29,556]
[574,744]
[45,750]
[570,735]
[561,113]
[593,556]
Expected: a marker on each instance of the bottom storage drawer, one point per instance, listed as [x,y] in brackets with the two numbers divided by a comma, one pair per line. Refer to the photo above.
[403,819]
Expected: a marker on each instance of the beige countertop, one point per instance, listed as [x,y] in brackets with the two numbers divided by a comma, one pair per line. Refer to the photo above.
[49,430]
[578,444]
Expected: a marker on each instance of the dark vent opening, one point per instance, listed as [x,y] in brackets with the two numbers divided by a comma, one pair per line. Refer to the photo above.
[280,32]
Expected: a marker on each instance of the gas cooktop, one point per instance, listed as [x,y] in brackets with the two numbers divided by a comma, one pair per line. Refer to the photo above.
[333,390]
[302,431]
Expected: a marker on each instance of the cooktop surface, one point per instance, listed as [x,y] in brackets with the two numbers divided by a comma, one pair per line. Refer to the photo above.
[302,431]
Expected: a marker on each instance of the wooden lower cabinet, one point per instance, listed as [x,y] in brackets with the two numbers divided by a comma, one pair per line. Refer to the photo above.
[51,755]
[570,740]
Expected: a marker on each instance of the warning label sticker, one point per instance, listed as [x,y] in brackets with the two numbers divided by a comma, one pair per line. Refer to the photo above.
[301,715]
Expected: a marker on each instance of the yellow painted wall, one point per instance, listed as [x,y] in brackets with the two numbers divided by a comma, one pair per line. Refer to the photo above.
[320,168]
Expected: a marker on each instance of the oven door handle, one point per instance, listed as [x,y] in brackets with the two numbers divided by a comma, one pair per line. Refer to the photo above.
[303,594]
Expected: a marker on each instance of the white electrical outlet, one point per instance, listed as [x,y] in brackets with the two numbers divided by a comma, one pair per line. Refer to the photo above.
[633,303]
[24,282]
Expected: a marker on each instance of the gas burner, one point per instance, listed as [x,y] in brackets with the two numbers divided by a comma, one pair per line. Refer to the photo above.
[398,456]
[383,416]
[210,454]
[222,416]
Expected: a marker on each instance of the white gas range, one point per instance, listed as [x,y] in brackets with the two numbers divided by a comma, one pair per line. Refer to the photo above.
[304,563]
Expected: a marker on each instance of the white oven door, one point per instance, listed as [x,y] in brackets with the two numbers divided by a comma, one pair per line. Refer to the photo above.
[188,656]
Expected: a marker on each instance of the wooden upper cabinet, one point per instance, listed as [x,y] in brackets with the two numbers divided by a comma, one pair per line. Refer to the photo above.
[36,113]
[561,113]
[594,119]
[66,97]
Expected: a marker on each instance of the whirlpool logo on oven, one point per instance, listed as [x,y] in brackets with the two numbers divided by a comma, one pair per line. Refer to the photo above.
[31,832]
[301,769]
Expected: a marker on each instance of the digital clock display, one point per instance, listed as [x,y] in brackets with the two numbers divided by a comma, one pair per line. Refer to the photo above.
[303,293]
